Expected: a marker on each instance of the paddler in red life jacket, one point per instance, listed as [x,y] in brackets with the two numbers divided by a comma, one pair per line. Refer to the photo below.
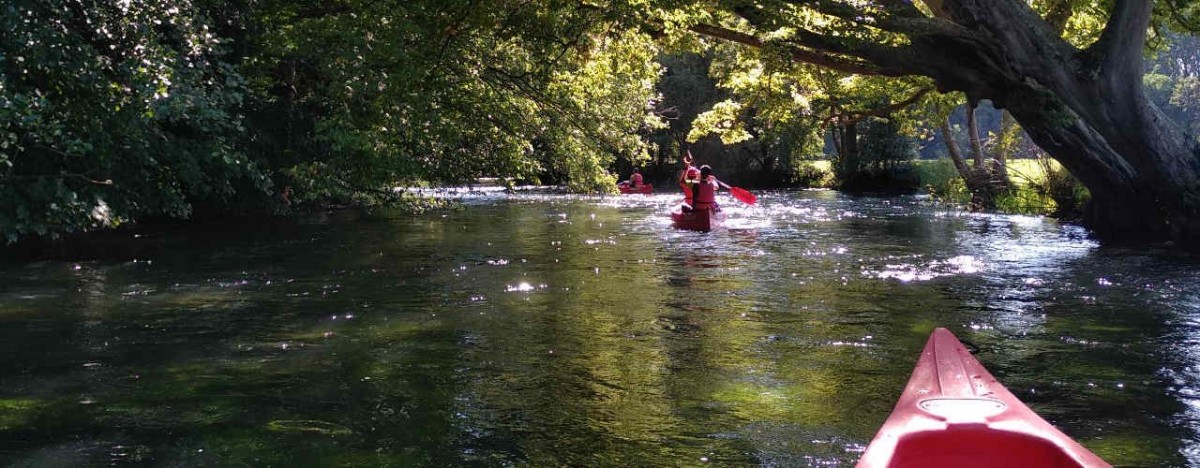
[635,180]
[690,178]
[705,191]
[686,177]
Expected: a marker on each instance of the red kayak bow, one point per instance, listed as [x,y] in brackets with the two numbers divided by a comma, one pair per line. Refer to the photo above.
[954,413]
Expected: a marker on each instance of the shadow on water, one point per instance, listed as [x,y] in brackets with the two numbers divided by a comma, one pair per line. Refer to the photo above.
[544,329]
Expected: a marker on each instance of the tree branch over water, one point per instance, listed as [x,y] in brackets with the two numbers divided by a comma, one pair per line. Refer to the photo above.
[827,60]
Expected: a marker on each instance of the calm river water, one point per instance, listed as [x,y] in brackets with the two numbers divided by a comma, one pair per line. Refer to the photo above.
[550,330]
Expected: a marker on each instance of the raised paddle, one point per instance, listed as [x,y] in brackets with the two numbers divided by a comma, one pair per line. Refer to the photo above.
[741,194]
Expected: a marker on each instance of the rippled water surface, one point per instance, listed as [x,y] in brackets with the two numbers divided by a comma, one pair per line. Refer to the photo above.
[550,330]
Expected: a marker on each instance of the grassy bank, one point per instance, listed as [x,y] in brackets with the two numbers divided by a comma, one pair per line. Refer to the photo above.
[1039,187]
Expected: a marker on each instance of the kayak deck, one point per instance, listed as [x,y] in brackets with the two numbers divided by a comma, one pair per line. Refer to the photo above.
[953,412]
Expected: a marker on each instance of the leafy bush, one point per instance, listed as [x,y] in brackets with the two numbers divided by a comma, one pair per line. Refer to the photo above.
[142,121]
[941,180]
[1067,193]
[813,174]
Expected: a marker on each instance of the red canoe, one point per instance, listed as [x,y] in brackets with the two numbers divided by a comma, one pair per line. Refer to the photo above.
[954,413]
[644,189]
[698,220]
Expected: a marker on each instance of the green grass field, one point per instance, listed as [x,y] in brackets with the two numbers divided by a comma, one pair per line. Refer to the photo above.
[1022,171]
[1031,181]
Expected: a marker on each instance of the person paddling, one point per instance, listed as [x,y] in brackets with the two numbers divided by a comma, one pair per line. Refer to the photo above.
[687,177]
[704,190]
[635,180]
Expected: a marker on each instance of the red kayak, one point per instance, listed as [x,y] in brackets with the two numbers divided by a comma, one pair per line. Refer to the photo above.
[954,413]
[644,189]
[698,220]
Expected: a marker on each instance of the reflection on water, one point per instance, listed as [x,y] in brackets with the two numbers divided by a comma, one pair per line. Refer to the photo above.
[543,329]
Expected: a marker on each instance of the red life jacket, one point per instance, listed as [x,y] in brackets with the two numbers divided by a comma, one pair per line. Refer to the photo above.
[683,184]
[705,196]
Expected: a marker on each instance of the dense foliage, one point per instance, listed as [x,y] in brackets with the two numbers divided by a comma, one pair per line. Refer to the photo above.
[131,110]
[113,111]
[395,92]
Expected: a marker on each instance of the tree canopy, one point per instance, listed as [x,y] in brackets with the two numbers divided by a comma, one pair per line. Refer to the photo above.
[134,110]
[131,110]
[1070,72]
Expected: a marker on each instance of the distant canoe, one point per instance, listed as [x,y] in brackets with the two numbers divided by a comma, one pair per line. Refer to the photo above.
[698,220]
[954,413]
[644,189]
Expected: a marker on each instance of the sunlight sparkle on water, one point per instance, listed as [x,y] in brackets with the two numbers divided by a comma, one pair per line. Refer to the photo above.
[520,287]
[960,265]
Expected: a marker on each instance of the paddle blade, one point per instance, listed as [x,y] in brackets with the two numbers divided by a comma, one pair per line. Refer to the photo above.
[743,195]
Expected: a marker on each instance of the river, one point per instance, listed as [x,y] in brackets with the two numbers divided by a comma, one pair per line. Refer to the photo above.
[549,330]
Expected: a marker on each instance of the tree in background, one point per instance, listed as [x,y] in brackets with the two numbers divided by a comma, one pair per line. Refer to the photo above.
[871,124]
[1173,80]
[404,92]
[117,111]
[777,112]
[1083,102]
[686,90]
[984,172]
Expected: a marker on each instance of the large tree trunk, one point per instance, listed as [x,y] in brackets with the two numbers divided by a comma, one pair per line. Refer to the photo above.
[1086,108]
[1142,173]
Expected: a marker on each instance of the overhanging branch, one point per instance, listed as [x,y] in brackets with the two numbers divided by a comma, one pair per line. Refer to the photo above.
[848,119]
[888,15]
[886,60]
[799,54]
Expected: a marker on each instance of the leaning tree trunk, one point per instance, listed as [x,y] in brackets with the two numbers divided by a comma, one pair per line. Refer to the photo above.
[991,168]
[960,164]
[1086,108]
[977,179]
[1011,137]
[973,136]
